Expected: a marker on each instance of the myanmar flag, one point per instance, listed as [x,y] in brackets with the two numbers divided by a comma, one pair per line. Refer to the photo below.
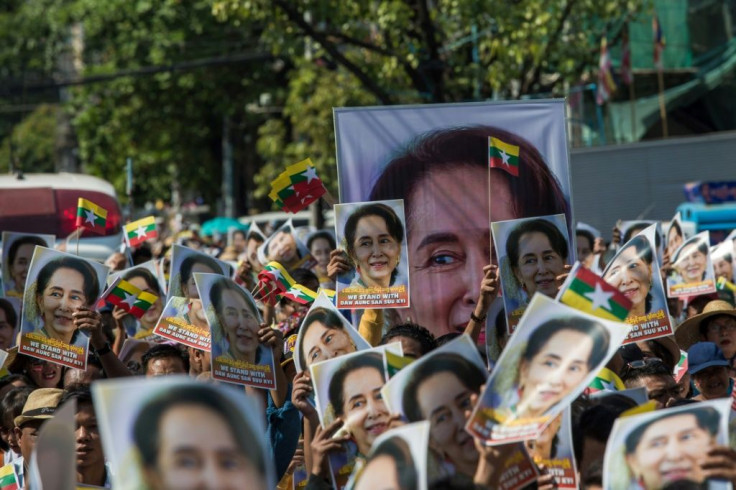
[300,294]
[606,380]
[139,231]
[91,216]
[275,272]
[128,297]
[297,187]
[8,479]
[503,155]
[585,291]
[395,363]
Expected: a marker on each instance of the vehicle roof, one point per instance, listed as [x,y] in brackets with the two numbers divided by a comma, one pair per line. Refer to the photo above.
[61,180]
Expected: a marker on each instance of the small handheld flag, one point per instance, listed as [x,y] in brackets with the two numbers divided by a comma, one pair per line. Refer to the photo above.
[139,231]
[91,216]
[8,478]
[297,187]
[586,291]
[128,297]
[605,380]
[606,85]
[503,155]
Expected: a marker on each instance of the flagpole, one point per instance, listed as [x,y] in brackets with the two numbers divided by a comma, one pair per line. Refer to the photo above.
[662,108]
[79,233]
[329,199]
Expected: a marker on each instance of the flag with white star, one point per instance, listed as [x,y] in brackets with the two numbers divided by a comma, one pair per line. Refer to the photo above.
[503,155]
[297,187]
[586,291]
[139,231]
[128,297]
[91,216]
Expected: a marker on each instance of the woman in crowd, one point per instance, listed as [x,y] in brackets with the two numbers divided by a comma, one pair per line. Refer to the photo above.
[373,238]
[443,179]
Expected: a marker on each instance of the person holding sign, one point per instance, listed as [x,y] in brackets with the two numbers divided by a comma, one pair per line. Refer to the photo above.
[64,285]
[373,235]
[691,261]
[240,324]
[323,337]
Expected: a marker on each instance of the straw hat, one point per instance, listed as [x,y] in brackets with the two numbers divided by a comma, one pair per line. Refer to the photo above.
[688,332]
[40,405]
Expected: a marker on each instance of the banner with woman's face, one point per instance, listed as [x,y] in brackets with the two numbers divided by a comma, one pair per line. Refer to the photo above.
[399,459]
[17,253]
[185,262]
[325,334]
[692,268]
[531,253]
[666,447]
[184,321]
[634,270]
[349,388]
[285,247]
[373,236]
[553,449]
[436,158]
[238,356]
[58,284]
[677,232]
[155,430]
[554,354]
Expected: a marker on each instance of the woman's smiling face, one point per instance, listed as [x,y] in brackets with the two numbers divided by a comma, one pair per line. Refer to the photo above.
[63,294]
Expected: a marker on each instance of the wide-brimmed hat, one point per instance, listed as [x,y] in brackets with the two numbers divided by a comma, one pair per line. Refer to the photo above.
[688,333]
[40,405]
[703,355]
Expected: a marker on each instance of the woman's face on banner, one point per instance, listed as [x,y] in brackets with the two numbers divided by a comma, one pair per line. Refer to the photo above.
[554,372]
[539,264]
[674,240]
[376,251]
[691,263]
[363,409]
[151,316]
[321,343]
[20,265]
[190,287]
[282,248]
[64,293]
[445,401]
[201,455]
[631,275]
[239,324]
[380,472]
[6,331]
[670,449]
[321,251]
[449,244]
[724,269]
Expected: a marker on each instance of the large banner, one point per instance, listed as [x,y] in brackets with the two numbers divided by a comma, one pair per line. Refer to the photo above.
[436,158]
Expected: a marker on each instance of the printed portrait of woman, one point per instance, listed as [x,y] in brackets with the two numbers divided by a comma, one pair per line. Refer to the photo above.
[442,176]
[194,263]
[374,235]
[557,357]
[285,248]
[674,237]
[146,281]
[238,320]
[8,324]
[691,260]
[389,466]
[17,261]
[631,272]
[355,397]
[61,285]
[323,335]
[439,391]
[193,436]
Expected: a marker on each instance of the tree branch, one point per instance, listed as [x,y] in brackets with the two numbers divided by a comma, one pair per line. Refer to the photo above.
[297,18]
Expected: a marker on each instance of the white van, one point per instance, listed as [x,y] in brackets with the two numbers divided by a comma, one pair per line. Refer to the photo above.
[47,203]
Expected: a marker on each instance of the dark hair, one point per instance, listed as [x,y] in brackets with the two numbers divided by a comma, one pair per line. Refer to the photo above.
[596,331]
[644,252]
[11,378]
[163,351]
[13,402]
[537,190]
[702,248]
[635,228]
[704,324]
[426,340]
[470,375]
[146,427]
[398,450]
[185,269]
[326,317]
[393,225]
[303,276]
[556,239]
[24,240]
[141,254]
[219,286]
[631,374]
[267,250]
[79,392]
[596,422]
[146,275]
[91,283]
[321,234]
[707,418]
[676,226]
[10,314]
[587,235]
[336,390]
